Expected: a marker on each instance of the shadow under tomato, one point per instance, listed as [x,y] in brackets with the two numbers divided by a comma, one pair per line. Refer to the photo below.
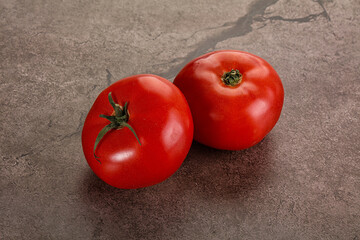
[157,210]
[225,174]
[145,213]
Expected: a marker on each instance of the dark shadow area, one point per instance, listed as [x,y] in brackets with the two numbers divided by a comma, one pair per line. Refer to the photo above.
[145,213]
[225,174]
[205,174]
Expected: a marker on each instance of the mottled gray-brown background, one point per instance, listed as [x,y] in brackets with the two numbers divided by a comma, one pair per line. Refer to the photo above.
[301,182]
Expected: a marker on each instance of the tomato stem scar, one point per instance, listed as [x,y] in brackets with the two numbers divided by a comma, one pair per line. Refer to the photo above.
[118,120]
[232,78]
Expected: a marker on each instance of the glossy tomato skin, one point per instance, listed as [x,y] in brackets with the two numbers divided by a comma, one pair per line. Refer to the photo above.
[161,118]
[231,117]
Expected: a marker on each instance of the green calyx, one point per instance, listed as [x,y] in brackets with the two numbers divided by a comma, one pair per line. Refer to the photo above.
[118,120]
[232,78]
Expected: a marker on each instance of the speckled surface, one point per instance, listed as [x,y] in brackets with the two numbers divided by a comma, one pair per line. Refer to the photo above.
[301,182]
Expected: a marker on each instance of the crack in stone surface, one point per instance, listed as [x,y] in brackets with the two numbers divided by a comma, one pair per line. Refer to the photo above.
[108,77]
[24,154]
[78,128]
[326,14]
[239,28]
[298,20]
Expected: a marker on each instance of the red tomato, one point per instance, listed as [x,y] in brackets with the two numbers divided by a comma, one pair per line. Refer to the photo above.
[235,98]
[160,118]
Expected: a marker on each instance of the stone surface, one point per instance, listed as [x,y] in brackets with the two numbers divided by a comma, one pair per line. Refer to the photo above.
[301,182]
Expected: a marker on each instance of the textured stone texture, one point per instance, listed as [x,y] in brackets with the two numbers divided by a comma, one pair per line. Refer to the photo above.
[301,182]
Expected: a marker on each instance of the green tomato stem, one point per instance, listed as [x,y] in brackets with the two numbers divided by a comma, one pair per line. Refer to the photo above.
[232,78]
[118,121]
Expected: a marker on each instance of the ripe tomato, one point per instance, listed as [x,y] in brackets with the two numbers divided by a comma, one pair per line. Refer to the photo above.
[138,132]
[235,98]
